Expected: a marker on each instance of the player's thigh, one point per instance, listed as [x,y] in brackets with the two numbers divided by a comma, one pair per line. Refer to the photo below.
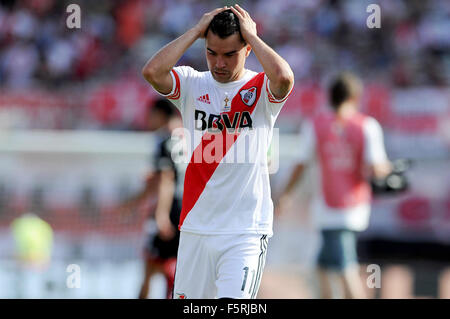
[241,267]
[195,270]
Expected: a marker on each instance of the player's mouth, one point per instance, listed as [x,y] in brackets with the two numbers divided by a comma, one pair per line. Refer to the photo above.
[220,73]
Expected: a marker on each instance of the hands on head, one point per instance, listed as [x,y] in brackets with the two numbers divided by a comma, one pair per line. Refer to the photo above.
[247,25]
[206,19]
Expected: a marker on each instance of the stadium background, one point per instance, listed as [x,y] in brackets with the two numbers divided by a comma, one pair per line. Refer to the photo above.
[73,141]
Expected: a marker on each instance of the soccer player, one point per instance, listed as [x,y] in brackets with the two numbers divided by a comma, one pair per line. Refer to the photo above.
[227,210]
[349,150]
[166,179]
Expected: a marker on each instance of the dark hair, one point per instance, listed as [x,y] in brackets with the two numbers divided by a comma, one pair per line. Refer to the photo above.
[224,24]
[344,87]
[164,106]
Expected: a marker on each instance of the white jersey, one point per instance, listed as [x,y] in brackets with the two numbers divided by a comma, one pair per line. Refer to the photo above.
[354,218]
[232,194]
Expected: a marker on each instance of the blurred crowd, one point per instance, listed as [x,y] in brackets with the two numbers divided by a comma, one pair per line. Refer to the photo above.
[317,37]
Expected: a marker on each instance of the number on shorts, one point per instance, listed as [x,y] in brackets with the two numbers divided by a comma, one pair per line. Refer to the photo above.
[245,278]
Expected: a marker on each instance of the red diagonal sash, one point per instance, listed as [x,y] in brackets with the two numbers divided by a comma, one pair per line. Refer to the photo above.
[199,169]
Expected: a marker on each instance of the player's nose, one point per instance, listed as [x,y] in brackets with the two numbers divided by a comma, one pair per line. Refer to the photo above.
[220,63]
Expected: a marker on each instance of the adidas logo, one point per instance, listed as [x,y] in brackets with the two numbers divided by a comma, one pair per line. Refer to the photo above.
[204,99]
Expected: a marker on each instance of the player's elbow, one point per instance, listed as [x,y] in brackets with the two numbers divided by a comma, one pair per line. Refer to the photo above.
[283,83]
[285,78]
[153,71]
[149,72]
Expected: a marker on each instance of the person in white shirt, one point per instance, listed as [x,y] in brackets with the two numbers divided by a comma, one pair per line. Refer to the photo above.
[227,112]
[349,150]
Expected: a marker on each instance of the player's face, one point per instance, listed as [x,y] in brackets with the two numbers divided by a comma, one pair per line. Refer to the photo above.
[226,57]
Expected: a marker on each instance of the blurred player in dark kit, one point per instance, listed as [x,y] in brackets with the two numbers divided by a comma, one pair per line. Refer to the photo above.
[166,180]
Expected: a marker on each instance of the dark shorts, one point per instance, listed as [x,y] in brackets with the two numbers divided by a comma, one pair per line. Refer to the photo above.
[158,249]
[338,250]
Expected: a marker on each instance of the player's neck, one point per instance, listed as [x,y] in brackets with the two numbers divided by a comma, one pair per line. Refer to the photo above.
[238,75]
[235,78]
[346,110]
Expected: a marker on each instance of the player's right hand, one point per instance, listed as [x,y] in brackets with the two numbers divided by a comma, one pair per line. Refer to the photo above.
[206,19]
[166,231]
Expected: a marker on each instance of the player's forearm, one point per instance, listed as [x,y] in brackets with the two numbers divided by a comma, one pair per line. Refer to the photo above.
[276,68]
[159,66]
[165,195]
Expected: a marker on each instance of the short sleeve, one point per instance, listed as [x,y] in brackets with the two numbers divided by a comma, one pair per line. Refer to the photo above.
[181,83]
[162,158]
[307,143]
[275,104]
[374,151]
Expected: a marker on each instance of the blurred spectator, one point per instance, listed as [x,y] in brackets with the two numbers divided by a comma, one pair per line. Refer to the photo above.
[19,62]
[317,37]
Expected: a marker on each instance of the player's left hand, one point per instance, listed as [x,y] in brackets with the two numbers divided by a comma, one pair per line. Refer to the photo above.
[247,25]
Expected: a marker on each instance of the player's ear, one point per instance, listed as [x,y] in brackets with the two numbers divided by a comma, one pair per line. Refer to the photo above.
[248,49]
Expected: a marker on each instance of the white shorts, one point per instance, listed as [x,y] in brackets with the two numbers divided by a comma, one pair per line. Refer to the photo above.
[219,266]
